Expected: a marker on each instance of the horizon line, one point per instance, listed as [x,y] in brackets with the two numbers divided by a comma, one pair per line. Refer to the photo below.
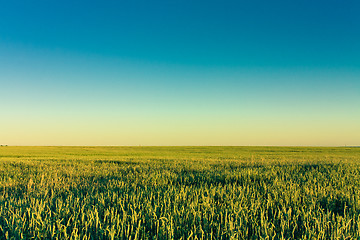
[350,146]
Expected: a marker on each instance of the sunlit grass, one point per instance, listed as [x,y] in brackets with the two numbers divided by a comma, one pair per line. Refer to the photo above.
[179,192]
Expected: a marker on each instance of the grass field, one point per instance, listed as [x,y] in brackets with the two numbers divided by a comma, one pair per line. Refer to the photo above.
[179,193]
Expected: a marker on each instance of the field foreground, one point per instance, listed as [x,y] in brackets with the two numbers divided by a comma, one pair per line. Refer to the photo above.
[179,193]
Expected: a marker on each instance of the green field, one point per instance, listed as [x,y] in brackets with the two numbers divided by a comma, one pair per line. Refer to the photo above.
[179,193]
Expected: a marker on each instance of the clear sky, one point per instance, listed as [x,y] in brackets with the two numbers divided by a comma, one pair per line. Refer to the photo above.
[180,72]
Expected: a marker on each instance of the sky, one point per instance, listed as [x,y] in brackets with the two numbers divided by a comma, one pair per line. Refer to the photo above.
[180,72]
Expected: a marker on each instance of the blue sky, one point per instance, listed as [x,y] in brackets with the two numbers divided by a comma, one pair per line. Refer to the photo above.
[180,72]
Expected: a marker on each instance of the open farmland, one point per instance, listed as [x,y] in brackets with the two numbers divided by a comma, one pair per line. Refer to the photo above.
[179,193]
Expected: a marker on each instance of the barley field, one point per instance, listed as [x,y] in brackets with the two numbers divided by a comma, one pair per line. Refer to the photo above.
[179,193]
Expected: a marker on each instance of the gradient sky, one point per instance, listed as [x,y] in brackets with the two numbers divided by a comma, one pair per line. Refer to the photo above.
[180,72]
